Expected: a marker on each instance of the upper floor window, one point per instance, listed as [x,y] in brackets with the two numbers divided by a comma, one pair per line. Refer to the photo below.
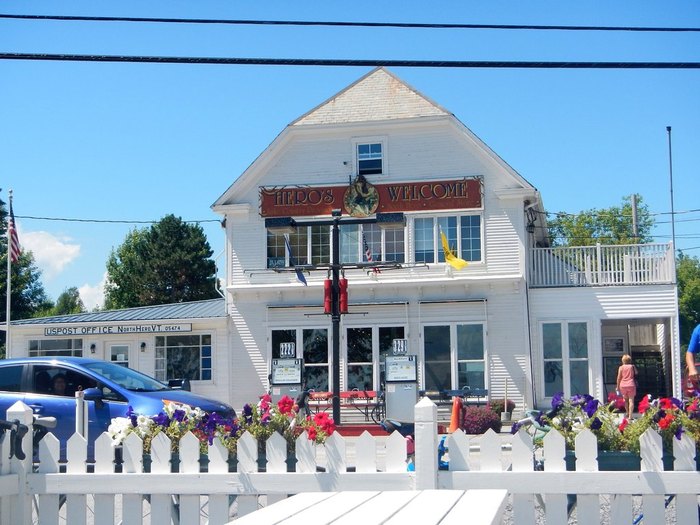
[463,235]
[370,243]
[369,158]
[307,245]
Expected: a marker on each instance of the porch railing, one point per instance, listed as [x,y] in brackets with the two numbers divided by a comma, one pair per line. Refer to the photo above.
[614,265]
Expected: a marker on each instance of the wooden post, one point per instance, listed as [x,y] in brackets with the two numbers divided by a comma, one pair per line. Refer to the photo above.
[426,444]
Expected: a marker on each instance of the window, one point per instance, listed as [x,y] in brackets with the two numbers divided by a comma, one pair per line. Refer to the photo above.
[356,240]
[360,368]
[463,234]
[565,353]
[11,378]
[119,354]
[183,357]
[314,345]
[454,351]
[40,347]
[369,159]
[307,243]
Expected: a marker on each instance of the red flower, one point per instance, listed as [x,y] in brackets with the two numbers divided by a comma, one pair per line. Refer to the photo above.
[666,403]
[622,426]
[285,406]
[644,405]
[311,432]
[666,421]
[265,401]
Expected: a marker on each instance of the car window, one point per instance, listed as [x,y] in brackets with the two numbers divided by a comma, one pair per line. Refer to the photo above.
[11,378]
[59,381]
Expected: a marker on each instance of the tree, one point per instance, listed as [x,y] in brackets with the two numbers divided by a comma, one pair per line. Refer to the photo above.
[68,302]
[688,277]
[170,262]
[28,295]
[613,225]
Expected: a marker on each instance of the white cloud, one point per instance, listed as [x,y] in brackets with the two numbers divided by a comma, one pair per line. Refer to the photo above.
[93,296]
[51,254]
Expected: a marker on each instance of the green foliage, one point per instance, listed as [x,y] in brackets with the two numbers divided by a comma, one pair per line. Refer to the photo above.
[68,302]
[170,262]
[499,405]
[613,225]
[28,295]
[688,277]
[478,419]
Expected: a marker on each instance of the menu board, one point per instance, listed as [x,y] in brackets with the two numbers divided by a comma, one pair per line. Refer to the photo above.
[286,371]
[400,368]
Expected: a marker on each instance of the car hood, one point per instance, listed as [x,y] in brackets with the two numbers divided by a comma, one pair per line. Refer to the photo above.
[188,398]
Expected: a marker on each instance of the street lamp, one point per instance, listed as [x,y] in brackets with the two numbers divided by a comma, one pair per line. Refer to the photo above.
[283,225]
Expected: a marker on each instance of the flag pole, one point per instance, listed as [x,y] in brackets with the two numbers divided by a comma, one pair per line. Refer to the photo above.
[9,280]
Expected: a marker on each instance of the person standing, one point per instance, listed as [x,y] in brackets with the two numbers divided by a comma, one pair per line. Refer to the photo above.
[626,384]
[692,354]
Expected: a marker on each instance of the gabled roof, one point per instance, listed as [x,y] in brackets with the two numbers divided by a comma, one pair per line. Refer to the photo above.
[379,95]
[211,308]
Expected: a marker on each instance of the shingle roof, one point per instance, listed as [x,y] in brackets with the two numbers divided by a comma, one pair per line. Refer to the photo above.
[211,308]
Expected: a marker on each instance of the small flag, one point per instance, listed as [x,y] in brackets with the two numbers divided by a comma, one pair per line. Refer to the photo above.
[451,258]
[300,274]
[368,253]
[13,240]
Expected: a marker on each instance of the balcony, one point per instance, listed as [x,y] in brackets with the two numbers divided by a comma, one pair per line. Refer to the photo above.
[615,265]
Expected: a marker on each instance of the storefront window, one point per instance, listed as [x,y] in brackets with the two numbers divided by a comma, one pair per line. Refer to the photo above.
[67,347]
[438,373]
[470,356]
[360,367]
[463,234]
[316,362]
[183,357]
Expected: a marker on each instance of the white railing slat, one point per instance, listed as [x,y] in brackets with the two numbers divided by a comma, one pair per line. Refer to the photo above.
[76,506]
[651,451]
[366,453]
[395,455]
[458,446]
[104,509]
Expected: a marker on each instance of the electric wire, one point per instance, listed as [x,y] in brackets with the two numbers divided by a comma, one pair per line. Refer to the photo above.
[306,23]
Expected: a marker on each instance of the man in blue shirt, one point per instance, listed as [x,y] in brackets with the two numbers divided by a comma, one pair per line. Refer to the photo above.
[692,354]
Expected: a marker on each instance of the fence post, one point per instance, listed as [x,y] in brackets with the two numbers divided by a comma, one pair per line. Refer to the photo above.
[426,444]
[21,507]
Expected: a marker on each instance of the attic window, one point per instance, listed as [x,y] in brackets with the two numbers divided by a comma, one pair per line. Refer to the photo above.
[369,159]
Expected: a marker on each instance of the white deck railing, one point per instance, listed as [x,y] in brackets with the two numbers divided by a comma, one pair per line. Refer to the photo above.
[630,264]
[190,496]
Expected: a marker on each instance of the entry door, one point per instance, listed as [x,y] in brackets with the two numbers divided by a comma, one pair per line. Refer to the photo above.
[119,354]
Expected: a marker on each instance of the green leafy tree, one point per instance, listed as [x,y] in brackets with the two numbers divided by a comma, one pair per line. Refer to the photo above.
[612,225]
[688,277]
[68,302]
[170,262]
[28,295]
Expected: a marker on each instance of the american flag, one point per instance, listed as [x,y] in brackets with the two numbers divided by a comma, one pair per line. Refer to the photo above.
[13,240]
[368,252]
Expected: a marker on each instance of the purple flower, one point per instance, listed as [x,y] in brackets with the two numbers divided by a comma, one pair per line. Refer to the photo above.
[248,414]
[179,415]
[590,407]
[131,415]
[679,432]
[558,400]
[514,429]
[161,420]
[596,423]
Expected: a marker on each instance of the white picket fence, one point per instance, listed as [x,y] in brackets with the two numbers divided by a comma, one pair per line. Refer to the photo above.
[219,496]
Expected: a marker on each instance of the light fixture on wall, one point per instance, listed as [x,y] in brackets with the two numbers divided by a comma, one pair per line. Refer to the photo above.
[93,347]
[143,346]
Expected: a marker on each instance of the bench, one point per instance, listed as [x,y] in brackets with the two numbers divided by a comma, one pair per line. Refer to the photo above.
[361,400]
[469,396]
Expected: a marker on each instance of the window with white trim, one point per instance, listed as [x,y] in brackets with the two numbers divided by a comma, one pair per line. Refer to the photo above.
[454,356]
[565,358]
[369,158]
[463,234]
[359,242]
[308,245]
[183,357]
[67,347]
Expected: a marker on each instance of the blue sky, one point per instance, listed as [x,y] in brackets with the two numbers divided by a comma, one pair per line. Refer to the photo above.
[134,142]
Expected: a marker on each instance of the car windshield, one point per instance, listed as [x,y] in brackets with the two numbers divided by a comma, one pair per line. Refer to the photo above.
[126,377]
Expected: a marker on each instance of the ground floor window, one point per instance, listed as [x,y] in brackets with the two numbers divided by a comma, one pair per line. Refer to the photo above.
[454,356]
[565,352]
[311,344]
[183,357]
[68,347]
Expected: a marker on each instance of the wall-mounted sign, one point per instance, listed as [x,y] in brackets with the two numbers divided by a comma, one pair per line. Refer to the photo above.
[399,346]
[381,198]
[287,350]
[286,371]
[118,329]
[400,368]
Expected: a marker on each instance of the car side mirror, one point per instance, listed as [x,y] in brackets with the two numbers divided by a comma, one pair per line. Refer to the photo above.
[94,394]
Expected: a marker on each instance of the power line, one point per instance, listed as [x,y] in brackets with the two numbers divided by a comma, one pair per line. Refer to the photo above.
[495,64]
[403,25]
[66,219]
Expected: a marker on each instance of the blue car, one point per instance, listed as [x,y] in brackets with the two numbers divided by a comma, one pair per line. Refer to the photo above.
[48,386]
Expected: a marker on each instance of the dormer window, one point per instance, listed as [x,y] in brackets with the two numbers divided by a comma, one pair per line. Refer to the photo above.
[369,158]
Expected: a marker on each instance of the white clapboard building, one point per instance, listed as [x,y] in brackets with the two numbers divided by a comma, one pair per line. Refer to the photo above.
[374,189]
